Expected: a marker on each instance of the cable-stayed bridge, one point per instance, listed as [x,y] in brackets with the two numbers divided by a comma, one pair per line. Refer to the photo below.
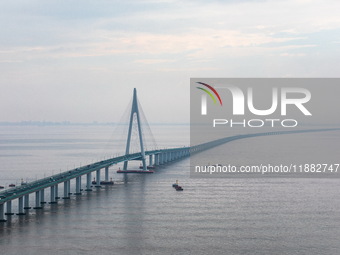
[150,159]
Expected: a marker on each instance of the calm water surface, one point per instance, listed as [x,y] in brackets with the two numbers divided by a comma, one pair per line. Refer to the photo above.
[143,214]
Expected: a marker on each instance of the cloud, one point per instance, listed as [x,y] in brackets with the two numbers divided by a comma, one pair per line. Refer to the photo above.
[86,48]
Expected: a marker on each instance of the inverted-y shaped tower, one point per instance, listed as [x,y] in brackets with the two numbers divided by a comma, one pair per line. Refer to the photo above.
[134,110]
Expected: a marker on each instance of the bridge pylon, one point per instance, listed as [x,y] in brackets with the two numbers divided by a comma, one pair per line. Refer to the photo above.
[135,111]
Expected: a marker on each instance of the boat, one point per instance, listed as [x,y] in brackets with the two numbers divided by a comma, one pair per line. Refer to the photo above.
[135,171]
[110,182]
[175,184]
[177,187]
[11,185]
[2,187]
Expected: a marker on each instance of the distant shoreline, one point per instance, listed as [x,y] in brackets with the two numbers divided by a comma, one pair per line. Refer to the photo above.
[68,123]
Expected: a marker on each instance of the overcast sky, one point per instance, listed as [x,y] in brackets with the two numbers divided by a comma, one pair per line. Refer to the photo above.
[80,60]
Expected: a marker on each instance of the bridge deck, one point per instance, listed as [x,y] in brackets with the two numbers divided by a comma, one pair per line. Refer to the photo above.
[31,187]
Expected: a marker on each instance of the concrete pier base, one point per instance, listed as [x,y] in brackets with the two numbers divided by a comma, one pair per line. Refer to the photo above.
[27,202]
[56,191]
[37,200]
[21,206]
[9,208]
[42,196]
[88,182]
[98,179]
[2,217]
[66,190]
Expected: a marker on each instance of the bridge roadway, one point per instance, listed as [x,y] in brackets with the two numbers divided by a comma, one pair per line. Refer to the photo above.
[156,157]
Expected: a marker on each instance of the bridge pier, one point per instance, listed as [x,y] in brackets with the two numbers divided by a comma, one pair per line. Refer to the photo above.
[150,160]
[21,206]
[98,179]
[42,196]
[107,174]
[88,182]
[37,200]
[66,190]
[9,208]
[78,185]
[56,192]
[161,158]
[52,195]
[69,187]
[156,160]
[27,202]
[2,215]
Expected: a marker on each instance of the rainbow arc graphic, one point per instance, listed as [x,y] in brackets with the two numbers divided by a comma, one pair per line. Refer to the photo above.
[209,90]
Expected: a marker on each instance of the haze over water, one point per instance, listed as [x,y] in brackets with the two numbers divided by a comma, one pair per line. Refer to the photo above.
[143,214]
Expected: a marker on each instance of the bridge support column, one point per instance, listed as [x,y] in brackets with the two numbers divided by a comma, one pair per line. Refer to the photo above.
[161,157]
[66,193]
[56,192]
[27,202]
[150,160]
[69,187]
[21,206]
[42,196]
[156,160]
[98,179]
[88,182]
[2,215]
[37,200]
[107,174]
[52,195]
[9,208]
[78,184]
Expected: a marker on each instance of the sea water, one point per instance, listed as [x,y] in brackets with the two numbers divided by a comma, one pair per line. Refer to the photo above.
[144,214]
